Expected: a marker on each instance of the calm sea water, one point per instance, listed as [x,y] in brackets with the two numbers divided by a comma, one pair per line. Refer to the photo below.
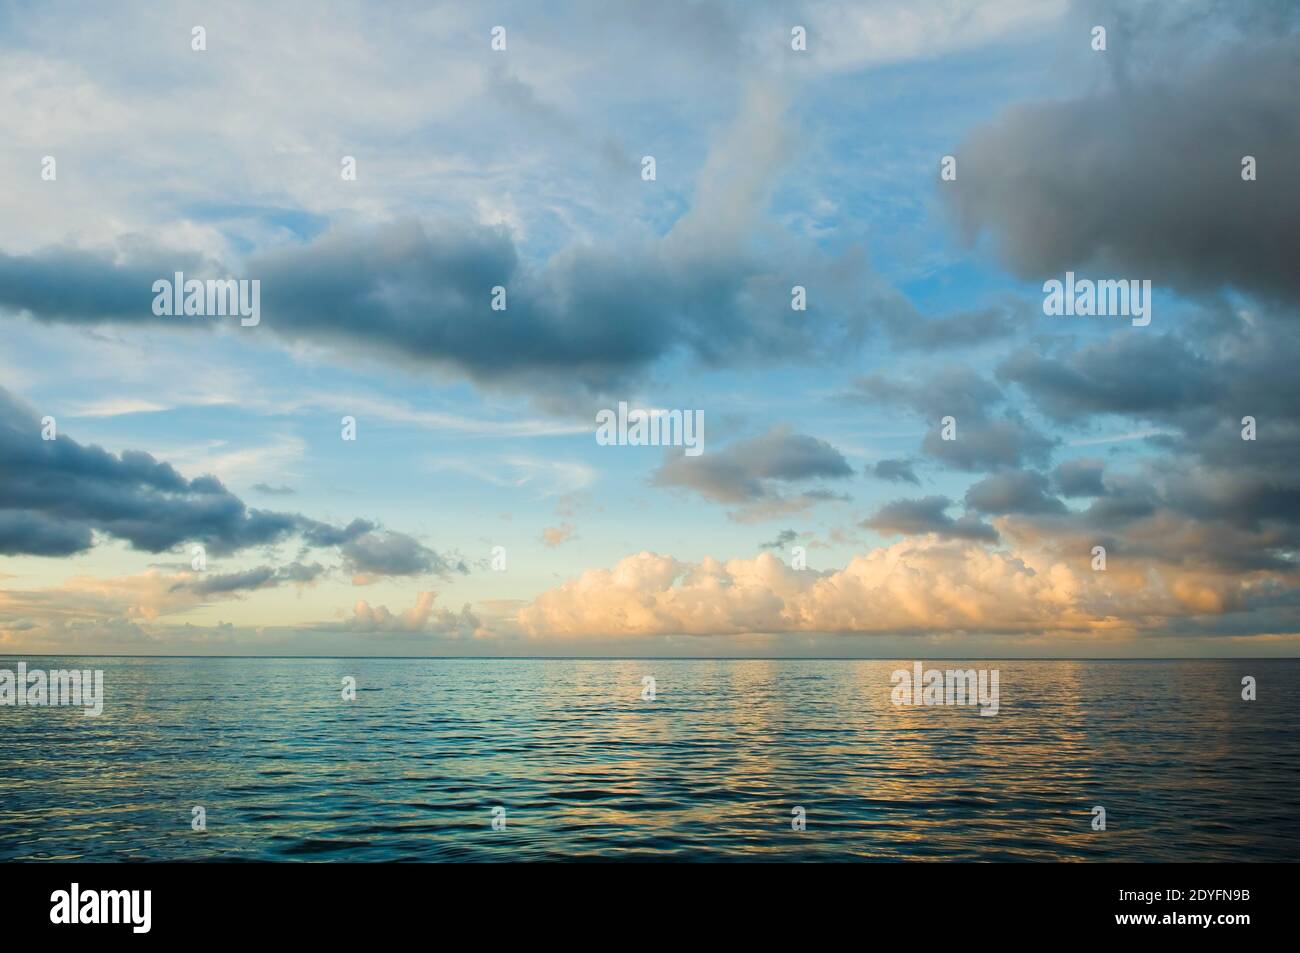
[708,770]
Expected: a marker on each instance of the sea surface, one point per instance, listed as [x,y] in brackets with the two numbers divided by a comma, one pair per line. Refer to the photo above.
[711,769]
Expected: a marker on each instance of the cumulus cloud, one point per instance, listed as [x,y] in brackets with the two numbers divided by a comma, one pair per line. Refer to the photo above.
[918,586]
[55,493]
[423,618]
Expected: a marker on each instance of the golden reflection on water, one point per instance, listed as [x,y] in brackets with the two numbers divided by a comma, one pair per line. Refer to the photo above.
[710,768]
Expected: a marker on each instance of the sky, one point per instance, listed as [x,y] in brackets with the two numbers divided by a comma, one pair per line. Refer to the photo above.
[198,495]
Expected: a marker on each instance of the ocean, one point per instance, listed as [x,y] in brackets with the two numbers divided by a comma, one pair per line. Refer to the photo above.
[531,759]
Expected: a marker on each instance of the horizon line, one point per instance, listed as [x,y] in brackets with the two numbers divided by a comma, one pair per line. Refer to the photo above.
[701,658]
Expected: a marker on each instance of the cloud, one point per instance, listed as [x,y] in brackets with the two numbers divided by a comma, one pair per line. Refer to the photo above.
[1206,495]
[1155,191]
[1181,515]
[83,601]
[756,474]
[589,319]
[1143,375]
[853,35]
[54,493]
[989,444]
[1080,478]
[753,469]
[910,329]
[127,613]
[91,285]
[895,471]
[424,618]
[261,577]
[982,441]
[389,553]
[614,283]
[36,534]
[273,490]
[948,390]
[554,536]
[783,539]
[914,586]
[1014,491]
[928,515]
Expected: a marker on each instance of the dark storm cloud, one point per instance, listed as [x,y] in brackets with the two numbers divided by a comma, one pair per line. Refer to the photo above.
[748,470]
[1144,179]
[896,471]
[928,515]
[55,493]
[1014,491]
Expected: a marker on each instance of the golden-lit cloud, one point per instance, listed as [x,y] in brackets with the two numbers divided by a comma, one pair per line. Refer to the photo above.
[424,616]
[917,585]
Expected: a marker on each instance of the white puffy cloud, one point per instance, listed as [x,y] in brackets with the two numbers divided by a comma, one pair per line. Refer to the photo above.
[917,585]
[423,617]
